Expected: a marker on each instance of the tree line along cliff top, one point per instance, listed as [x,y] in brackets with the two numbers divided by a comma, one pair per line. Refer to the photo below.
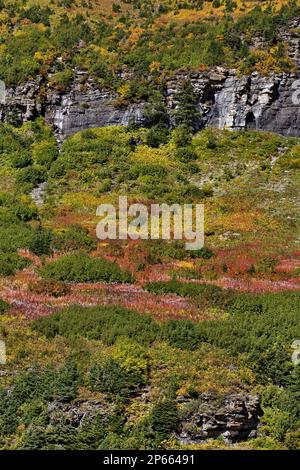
[145,39]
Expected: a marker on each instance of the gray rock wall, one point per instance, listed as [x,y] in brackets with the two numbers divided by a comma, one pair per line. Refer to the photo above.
[264,103]
[234,417]
[225,101]
[84,107]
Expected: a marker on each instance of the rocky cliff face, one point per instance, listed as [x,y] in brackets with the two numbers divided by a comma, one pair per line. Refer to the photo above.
[85,106]
[225,101]
[234,417]
[257,102]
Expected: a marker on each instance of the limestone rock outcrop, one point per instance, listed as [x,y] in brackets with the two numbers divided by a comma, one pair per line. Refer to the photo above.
[234,417]
[225,100]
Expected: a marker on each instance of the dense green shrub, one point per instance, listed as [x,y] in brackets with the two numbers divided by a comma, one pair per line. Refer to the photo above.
[204,253]
[45,152]
[260,327]
[10,263]
[155,113]
[186,113]
[48,384]
[26,213]
[31,174]
[164,418]
[181,334]
[99,323]
[111,378]
[132,55]
[79,267]
[21,159]
[204,294]
[175,249]
[74,238]
[38,384]
[246,304]
[4,306]
[62,436]
[186,154]
[14,236]
[40,243]
[19,62]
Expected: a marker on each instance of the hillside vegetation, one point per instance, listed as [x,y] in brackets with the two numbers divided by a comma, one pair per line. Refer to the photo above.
[144,38]
[124,329]
[115,344]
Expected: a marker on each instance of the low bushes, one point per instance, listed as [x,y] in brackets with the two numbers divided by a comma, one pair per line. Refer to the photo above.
[164,418]
[99,323]
[14,236]
[30,174]
[181,334]
[110,323]
[45,385]
[262,328]
[111,378]
[49,287]
[204,294]
[175,249]
[10,263]
[4,306]
[74,238]
[40,243]
[25,213]
[79,267]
